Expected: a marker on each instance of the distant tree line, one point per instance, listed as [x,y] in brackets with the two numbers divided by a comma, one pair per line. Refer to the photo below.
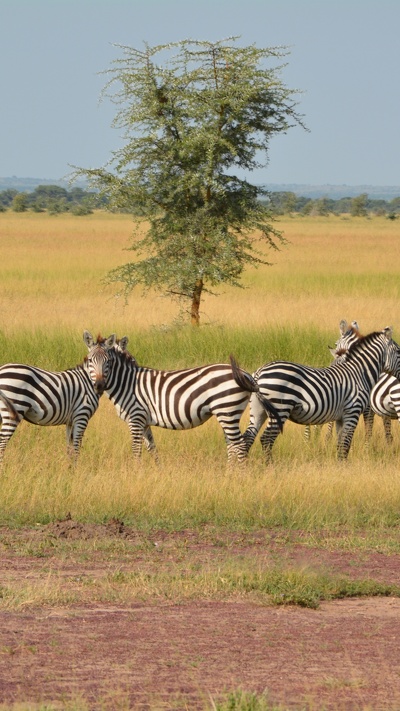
[55,200]
[52,199]
[284,203]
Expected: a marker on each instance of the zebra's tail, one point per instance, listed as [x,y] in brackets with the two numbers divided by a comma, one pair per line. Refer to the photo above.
[247,382]
[10,407]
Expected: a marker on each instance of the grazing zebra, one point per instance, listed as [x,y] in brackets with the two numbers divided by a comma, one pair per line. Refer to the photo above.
[42,397]
[181,399]
[309,395]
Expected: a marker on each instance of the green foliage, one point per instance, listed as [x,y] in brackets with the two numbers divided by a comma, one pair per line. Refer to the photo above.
[190,122]
[52,198]
[7,196]
[20,202]
[359,205]
[245,701]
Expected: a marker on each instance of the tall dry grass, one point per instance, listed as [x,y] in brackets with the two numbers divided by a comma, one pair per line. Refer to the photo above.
[52,270]
[51,289]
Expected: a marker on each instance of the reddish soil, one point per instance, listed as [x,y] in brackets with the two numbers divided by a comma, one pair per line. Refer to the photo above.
[163,655]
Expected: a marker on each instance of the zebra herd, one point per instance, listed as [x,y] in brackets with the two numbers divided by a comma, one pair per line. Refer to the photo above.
[363,379]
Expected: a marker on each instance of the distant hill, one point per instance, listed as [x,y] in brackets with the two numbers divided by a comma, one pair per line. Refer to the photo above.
[335,192]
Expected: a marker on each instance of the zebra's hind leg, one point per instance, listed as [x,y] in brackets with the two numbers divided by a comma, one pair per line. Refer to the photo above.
[387,426]
[237,452]
[308,431]
[268,438]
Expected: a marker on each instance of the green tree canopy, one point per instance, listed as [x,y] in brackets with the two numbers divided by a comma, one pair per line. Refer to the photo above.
[193,113]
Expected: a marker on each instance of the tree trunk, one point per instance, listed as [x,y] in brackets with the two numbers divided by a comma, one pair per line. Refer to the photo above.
[196,297]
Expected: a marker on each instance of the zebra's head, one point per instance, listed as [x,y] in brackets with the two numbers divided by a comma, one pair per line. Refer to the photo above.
[348,336]
[99,359]
[121,347]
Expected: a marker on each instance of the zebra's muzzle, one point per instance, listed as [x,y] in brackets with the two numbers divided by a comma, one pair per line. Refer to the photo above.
[99,386]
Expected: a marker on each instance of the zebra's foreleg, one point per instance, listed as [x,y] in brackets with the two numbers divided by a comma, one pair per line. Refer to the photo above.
[69,436]
[329,431]
[368,417]
[345,437]
[150,444]
[10,419]
[137,431]
[75,434]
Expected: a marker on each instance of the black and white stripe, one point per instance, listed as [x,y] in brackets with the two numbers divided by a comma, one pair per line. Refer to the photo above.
[43,397]
[339,393]
[385,402]
[181,399]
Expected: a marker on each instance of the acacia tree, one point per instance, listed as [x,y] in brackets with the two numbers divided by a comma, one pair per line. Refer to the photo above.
[193,113]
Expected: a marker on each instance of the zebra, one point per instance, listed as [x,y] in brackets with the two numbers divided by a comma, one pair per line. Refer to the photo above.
[348,335]
[42,397]
[181,399]
[308,395]
[384,398]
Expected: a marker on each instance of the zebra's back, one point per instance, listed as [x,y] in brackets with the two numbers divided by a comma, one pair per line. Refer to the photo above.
[180,399]
[309,395]
[44,397]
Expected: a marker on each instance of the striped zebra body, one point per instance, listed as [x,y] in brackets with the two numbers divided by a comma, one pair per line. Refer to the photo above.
[385,402]
[45,398]
[339,393]
[180,399]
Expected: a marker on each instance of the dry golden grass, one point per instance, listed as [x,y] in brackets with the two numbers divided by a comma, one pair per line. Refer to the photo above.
[52,270]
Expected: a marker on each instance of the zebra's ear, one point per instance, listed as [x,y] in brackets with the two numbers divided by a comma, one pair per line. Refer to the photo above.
[88,339]
[110,341]
[343,327]
[388,331]
[123,342]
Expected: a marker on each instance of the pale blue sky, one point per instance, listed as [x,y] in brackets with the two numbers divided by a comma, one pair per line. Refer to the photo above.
[344,55]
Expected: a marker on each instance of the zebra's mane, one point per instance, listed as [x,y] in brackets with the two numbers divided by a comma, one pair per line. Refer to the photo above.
[360,344]
[355,330]
[128,357]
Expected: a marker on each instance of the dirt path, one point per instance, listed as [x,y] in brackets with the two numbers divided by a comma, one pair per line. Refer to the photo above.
[344,655]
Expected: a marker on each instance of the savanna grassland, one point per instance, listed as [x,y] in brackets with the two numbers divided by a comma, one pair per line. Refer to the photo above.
[151,549]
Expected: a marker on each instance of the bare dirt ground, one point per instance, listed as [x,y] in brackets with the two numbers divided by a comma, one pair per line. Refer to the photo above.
[164,655]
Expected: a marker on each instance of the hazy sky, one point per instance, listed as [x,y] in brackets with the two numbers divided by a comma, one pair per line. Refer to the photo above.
[344,56]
